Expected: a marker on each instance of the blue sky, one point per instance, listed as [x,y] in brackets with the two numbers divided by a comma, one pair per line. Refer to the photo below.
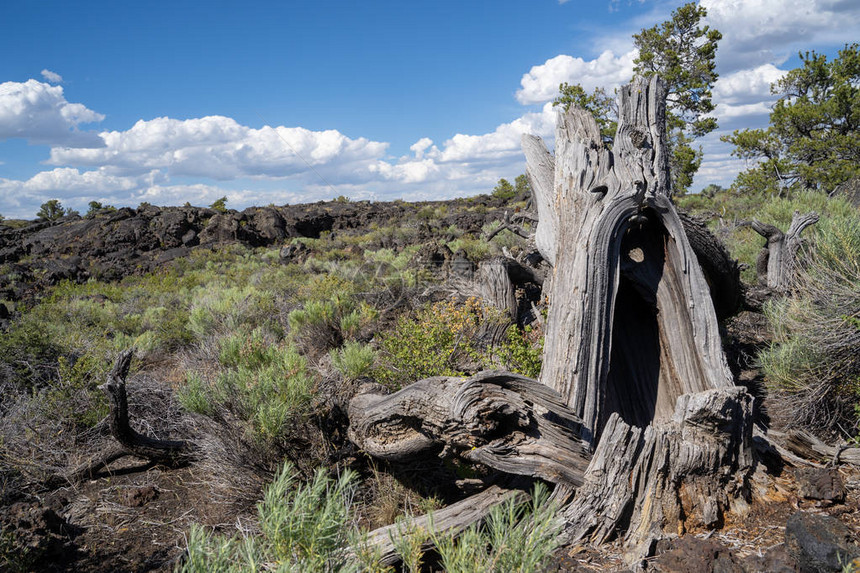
[284,102]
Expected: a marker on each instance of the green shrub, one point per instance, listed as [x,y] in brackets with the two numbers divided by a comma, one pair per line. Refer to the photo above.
[504,190]
[522,351]
[813,365]
[193,395]
[308,528]
[219,205]
[734,210]
[303,528]
[518,538]
[226,309]
[476,249]
[353,360]
[432,342]
[270,390]
[265,384]
[316,324]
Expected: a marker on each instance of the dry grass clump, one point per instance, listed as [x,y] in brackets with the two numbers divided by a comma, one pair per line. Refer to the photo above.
[814,363]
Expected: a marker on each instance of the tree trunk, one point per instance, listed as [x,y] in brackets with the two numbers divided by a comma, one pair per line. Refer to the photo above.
[669,477]
[502,420]
[632,363]
[777,259]
[497,288]
[631,326]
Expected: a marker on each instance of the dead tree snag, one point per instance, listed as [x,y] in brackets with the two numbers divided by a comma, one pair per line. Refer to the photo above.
[777,259]
[637,411]
[631,326]
[130,442]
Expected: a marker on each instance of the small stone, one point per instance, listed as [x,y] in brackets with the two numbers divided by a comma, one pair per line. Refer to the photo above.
[690,554]
[819,542]
[139,496]
[820,483]
[775,560]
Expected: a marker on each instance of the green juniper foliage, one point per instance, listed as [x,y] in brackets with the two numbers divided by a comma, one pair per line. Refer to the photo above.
[813,141]
[682,51]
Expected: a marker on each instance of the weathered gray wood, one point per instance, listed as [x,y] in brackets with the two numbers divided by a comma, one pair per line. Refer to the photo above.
[632,363]
[721,271]
[502,420]
[450,520]
[777,259]
[808,447]
[540,169]
[497,288]
[663,479]
[631,325]
[509,226]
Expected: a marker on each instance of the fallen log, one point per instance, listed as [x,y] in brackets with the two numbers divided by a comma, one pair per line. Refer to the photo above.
[451,520]
[505,421]
[808,447]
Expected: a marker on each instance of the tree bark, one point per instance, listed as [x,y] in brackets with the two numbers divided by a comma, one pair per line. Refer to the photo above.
[168,452]
[631,325]
[667,478]
[721,271]
[808,447]
[502,420]
[777,260]
[497,288]
[632,365]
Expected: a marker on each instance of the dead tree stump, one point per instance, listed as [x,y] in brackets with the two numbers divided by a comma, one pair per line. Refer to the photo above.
[130,442]
[667,478]
[777,260]
[631,325]
[633,368]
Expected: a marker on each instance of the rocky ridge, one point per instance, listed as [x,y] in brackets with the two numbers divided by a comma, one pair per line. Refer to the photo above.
[110,244]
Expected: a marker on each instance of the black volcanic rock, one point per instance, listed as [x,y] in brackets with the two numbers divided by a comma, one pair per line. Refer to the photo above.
[819,542]
[110,244]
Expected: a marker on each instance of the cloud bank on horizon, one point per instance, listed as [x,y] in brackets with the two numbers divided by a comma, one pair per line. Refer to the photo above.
[169,161]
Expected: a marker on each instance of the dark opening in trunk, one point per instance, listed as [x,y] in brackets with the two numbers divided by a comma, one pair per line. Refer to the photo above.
[636,355]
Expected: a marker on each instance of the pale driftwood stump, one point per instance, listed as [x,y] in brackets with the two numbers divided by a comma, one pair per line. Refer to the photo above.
[777,260]
[637,413]
[631,325]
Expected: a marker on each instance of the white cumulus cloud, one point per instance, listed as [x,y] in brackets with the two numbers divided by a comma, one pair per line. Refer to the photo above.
[757,32]
[503,142]
[747,86]
[39,113]
[52,77]
[608,71]
[218,147]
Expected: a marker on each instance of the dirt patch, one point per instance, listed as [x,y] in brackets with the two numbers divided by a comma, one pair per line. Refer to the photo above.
[130,521]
